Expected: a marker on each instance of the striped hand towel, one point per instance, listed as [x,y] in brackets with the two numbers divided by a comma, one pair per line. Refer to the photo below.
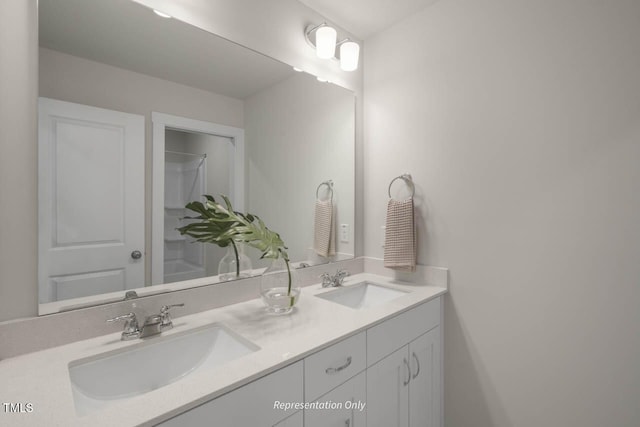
[324,230]
[400,236]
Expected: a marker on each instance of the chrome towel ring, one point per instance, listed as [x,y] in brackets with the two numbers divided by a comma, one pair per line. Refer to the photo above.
[407,179]
[328,183]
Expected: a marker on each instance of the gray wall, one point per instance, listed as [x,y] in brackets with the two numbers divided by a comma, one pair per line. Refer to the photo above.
[310,126]
[18,161]
[520,121]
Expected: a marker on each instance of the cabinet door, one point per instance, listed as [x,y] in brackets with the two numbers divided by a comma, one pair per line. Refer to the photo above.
[424,388]
[346,406]
[390,335]
[388,391]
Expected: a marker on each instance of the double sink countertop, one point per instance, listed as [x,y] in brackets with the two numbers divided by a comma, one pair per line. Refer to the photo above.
[42,380]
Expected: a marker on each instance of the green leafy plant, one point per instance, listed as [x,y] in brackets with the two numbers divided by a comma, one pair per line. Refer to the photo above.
[219,224]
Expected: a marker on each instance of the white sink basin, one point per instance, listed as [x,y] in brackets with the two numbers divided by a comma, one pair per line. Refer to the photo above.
[107,378]
[362,295]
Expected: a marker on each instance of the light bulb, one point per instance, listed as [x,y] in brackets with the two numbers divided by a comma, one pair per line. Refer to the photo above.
[349,52]
[326,42]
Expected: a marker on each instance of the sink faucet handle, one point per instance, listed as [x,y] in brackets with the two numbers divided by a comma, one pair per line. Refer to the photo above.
[166,316]
[128,318]
[131,328]
[327,280]
[339,277]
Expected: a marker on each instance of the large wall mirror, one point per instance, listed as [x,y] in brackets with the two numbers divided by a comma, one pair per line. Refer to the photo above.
[141,114]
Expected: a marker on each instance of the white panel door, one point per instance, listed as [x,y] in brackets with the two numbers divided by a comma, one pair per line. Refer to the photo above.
[424,388]
[90,200]
[388,391]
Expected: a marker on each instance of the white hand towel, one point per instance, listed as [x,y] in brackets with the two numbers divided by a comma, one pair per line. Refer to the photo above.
[400,236]
[324,230]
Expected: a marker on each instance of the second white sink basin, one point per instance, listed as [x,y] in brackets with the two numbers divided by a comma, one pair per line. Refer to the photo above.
[101,380]
[362,295]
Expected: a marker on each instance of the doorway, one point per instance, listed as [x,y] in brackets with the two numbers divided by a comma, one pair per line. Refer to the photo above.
[190,158]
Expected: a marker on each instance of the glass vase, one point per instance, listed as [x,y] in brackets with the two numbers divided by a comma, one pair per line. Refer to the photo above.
[235,264]
[278,287]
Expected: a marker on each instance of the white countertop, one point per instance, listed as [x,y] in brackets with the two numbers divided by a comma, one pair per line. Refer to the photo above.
[42,378]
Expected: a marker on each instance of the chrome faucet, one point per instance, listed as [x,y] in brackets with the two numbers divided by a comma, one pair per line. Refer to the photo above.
[153,324]
[131,329]
[333,281]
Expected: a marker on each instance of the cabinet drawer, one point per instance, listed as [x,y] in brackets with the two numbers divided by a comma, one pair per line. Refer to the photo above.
[250,405]
[334,365]
[345,405]
[392,334]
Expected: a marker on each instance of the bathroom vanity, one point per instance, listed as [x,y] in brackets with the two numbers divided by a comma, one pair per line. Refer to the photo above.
[373,347]
[368,353]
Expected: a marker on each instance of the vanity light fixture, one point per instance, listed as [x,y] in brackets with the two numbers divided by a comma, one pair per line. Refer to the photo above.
[323,38]
[349,53]
[326,42]
[161,14]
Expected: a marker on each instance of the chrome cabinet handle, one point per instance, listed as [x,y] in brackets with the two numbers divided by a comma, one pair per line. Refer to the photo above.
[330,371]
[136,254]
[408,372]
[417,364]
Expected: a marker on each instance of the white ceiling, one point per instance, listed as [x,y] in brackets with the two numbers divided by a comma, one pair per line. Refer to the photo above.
[364,18]
[127,35]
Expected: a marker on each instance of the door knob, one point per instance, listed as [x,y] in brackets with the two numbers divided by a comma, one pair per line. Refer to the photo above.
[136,254]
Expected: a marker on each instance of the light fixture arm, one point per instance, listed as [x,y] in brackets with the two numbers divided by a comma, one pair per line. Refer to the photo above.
[311,28]
[310,31]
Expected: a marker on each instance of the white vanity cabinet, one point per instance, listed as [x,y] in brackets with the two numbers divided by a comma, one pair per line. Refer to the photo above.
[250,405]
[345,406]
[335,382]
[403,389]
[388,375]
[404,369]
[332,366]
[387,391]
[426,379]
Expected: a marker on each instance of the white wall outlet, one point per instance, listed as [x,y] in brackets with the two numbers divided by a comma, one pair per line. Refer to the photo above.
[344,233]
[383,231]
